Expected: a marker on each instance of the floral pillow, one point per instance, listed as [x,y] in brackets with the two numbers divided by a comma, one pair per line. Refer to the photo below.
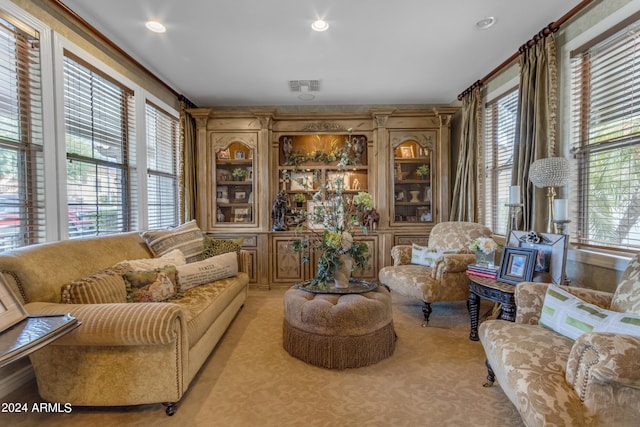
[155,285]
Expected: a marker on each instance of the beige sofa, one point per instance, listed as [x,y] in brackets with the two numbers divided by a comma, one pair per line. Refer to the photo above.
[123,353]
[556,381]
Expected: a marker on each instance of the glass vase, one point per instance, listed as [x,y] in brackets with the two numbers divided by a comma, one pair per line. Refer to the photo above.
[485,259]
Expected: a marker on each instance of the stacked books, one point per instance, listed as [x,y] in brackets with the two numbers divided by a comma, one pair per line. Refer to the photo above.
[482,271]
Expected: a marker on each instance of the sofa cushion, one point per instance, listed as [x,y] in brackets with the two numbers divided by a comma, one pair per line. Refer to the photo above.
[174,257]
[529,363]
[103,287]
[203,304]
[208,270]
[151,285]
[186,237]
[570,316]
[626,298]
[213,247]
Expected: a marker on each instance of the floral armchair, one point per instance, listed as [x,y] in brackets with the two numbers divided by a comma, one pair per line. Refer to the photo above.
[446,280]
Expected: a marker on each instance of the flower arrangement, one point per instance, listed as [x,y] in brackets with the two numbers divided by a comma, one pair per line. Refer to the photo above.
[341,216]
[239,174]
[423,171]
[485,245]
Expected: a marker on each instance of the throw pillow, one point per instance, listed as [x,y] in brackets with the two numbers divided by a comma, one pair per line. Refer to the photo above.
[568,315]
[206,271]
[103,287]
[213,247]
[175,257]
[422,255]
[152,285]
[186,237]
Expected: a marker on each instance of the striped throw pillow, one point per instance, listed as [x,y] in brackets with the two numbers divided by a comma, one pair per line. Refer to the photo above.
[103,287]
[186,237]
[568,315]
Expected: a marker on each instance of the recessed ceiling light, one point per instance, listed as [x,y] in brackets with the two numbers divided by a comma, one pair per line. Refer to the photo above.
[155,26]
[486,23]
[320,25]
[306,97]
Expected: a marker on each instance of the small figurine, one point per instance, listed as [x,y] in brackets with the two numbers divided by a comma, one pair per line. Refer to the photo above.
[287,146]
[279,210]
[358,148]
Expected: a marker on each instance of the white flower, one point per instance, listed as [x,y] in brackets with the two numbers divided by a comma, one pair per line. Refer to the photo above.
[484,244]
[347,241]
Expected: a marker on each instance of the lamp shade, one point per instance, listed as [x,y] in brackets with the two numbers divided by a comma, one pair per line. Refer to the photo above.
[549,172]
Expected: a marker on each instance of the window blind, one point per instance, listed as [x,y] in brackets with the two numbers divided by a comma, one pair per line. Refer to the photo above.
[162,168]
[100,141]
[606,140]
[21,138]
[500,126]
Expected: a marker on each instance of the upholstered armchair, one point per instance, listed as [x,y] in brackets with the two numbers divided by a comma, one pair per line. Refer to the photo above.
[446,280]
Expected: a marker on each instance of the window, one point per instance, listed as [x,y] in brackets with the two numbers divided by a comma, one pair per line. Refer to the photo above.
[21,136]
[606,139]
[162,168]
[500,128]
[100,146]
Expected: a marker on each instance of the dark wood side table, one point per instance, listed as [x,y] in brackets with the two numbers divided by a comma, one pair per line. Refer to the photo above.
[491,289]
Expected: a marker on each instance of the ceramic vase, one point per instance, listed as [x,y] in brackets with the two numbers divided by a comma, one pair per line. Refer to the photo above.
[343,274]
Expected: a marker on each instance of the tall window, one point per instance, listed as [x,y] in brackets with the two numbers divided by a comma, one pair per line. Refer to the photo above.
[606,139]
[100,151]
[500,127]
[162,168]
[21,156]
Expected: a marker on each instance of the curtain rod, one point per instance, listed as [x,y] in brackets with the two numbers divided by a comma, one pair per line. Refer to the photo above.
[551,28]
[111,44]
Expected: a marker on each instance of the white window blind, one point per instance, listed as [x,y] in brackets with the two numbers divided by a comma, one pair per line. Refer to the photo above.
[162,168]
[21,139]
[500,126]
[606,139]
[100,140]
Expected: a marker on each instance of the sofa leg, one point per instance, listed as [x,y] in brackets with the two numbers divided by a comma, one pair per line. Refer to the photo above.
[426,310]
[491,378]
[170,407]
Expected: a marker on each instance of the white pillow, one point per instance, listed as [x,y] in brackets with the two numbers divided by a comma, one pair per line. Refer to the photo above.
[174,257]
[568,315]
[422,255]
[208,270]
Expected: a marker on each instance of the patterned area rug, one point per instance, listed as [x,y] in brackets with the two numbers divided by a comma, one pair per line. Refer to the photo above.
[434,378]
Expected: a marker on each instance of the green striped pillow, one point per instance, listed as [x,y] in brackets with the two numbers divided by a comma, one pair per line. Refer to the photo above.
[568,315]
[186,237]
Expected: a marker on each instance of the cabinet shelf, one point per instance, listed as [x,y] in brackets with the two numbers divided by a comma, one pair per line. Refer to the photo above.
[235,183]
[413,203]
[234,162]
[412,181]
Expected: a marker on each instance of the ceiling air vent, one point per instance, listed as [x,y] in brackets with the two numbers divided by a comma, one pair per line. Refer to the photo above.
[304,85]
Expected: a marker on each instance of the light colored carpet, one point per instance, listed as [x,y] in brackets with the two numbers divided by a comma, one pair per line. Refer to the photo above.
[434,378]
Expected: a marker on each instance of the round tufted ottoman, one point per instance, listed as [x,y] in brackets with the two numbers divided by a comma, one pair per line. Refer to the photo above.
[338,331]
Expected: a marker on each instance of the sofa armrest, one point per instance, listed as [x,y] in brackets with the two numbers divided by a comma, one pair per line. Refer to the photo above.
[120,324]
[244,262]
[451,263]
[401,255]
[529,298]
[603,369]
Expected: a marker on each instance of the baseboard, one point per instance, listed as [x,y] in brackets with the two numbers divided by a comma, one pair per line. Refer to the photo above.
[14,381]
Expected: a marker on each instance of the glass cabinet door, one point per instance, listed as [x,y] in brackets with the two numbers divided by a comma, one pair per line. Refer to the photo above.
[234,184]
[412,183]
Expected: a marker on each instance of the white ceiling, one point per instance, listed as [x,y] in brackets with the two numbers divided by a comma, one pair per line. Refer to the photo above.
[244,52]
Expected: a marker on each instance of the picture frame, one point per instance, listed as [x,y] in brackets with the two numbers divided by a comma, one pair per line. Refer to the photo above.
[423,213]
[238,155]
[551,257]
[516,265]
[240,195]
[223,154]
[241,214]
[407,152]
[11,310]
[301,181]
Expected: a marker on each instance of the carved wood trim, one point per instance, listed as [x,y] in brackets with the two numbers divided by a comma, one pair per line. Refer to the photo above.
[221,142]
[424,139]
[323,127]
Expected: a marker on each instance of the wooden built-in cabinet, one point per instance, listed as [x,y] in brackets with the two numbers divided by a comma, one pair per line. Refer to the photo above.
[292,152]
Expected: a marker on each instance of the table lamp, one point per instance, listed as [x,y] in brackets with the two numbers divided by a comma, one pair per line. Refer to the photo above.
[550,172]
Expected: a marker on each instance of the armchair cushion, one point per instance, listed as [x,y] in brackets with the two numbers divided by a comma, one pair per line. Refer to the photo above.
[627,295]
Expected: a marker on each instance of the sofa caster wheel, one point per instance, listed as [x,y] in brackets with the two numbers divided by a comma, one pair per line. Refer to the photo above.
[170,408]
[425,324]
